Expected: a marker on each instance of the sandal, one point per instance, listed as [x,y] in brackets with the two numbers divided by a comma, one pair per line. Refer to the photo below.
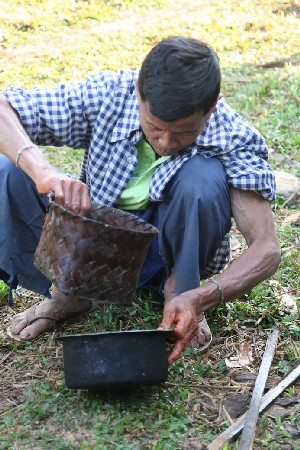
[31,315]
[202,348]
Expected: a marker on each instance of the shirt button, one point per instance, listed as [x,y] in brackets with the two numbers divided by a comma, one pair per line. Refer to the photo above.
[110,198]
[130,159]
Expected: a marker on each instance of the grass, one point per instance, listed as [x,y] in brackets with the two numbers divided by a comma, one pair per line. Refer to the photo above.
[45,42]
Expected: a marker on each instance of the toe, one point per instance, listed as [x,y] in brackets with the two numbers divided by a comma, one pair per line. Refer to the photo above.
[18,324]
[35,329]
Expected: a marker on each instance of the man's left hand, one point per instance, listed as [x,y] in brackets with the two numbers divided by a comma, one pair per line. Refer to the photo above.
[180,314]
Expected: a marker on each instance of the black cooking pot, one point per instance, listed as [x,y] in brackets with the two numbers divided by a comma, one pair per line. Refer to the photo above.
[118,360]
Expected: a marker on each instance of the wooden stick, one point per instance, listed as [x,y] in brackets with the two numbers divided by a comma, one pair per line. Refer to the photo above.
[272,394]
[248,433]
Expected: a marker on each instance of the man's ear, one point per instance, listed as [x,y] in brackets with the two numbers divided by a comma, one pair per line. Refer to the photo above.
[214,105]
[207,115]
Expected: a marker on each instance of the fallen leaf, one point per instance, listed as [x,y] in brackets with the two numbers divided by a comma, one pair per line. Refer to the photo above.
[236,404]
[234,245]
[243,357]
[289,303]
[277,411]
[292,218]
[287,401]
[287,184]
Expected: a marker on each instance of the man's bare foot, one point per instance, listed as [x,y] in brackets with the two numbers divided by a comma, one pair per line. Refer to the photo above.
[38,319]
[204,338]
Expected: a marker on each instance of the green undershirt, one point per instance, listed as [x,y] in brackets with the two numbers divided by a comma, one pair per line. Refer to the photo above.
[136,194]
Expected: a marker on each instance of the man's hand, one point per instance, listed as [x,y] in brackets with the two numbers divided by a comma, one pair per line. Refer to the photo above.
[179,313]
[70,193]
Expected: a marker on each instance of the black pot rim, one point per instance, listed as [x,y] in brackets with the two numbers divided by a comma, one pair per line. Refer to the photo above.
[118,333]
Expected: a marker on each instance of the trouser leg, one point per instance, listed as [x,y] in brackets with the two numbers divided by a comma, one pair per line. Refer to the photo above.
[22,212]
[153,272]
[194,217]
[192,221]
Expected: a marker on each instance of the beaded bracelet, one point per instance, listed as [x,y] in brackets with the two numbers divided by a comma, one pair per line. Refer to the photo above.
[22,149]
[222,299]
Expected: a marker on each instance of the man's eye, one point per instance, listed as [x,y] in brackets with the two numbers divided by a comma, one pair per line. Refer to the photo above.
[152,127]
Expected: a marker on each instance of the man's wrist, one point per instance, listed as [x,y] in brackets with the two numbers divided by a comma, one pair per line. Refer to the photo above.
[220,289]
[208,296]
[21,150]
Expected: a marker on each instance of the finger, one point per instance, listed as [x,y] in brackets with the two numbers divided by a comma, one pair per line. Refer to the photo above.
[167,320]
[165,325]
[85,202]
[80,199]
[186,327]
[66,201]
[201,338]
[176,351]
[57,189]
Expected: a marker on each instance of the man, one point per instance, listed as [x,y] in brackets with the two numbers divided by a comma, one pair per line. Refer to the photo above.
[161,144]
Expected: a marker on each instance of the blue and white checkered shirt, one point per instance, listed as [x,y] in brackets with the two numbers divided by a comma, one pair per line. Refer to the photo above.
[101,115]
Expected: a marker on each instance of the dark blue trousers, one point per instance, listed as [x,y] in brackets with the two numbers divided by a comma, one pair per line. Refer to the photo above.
[192,221]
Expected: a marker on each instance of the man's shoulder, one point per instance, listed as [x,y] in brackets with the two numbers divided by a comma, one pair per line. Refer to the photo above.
[230,120]
[122,78]
[226,114]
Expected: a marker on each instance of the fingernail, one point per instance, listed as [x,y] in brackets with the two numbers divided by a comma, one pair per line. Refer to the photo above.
[24,334]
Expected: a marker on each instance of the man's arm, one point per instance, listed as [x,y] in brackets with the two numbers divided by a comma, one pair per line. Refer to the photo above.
[254,219]
[73,194]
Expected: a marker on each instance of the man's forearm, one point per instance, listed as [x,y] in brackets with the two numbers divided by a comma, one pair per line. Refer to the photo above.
[13,137]
[255,220]
[239,277]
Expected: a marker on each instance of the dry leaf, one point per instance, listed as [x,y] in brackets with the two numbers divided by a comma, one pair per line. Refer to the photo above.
[234,245]
[287,184]
[292,218]
[289,302]
[243,357]
[277,411]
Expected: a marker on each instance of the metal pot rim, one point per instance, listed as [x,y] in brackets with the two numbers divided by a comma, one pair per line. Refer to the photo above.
[118,333]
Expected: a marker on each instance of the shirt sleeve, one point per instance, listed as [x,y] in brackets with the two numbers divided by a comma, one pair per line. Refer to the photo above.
[243,153]
[64,115]
[247,166]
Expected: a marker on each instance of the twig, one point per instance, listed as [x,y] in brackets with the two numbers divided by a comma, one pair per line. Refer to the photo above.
[6,356]
[207,385]
[247,437]
[288,200]
[273,393]
[11,409]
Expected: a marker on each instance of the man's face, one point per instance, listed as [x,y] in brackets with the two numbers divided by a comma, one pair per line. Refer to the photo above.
[167,138]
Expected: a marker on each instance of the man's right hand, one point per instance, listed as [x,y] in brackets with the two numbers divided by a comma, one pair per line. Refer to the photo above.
[70,193]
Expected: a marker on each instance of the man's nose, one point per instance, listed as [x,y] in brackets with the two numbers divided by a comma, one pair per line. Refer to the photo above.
[167,141]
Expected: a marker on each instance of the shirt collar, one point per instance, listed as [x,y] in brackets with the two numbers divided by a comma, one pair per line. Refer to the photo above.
[129,122]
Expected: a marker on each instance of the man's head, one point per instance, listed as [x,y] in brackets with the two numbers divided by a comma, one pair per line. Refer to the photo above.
[178,87]
[180,77]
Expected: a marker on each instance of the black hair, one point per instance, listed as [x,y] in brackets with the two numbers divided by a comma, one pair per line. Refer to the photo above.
[179,77]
